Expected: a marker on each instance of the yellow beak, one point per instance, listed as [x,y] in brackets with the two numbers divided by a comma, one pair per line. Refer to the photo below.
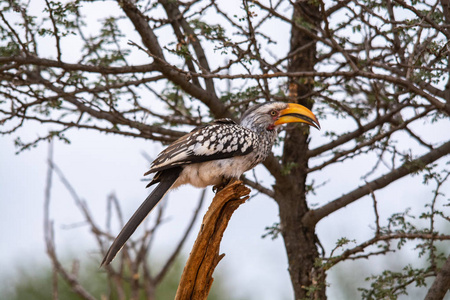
[297,113]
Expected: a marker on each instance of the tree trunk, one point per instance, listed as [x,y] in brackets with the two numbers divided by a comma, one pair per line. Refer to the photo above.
[290,193]
[441,284]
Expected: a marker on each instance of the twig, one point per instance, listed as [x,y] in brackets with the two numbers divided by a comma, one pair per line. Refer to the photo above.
[58,269]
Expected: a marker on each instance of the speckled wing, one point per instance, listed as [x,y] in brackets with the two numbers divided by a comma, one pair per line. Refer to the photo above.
[221,139]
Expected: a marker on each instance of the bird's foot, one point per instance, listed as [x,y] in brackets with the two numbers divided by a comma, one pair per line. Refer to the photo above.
[217,188]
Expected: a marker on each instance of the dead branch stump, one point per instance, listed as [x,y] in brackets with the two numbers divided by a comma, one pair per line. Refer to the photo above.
[197,279]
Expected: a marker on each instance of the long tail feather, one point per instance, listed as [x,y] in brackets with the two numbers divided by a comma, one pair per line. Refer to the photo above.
[168,178]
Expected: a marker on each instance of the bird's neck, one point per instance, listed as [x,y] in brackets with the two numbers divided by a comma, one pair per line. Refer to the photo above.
[265,135]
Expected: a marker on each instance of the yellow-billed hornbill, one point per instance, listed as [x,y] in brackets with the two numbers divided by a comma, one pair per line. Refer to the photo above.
[210,154]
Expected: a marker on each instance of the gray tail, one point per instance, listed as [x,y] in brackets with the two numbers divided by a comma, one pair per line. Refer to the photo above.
[167,179]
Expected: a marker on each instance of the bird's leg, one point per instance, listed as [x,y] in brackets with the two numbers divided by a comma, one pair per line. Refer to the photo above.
[225,181]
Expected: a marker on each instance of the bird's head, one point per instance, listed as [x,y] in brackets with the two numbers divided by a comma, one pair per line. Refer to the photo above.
[270,115]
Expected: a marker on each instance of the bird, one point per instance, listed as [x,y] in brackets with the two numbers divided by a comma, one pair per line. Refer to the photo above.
[213,154]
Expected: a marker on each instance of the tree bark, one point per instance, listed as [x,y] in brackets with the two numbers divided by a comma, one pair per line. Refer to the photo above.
[441,284]
[197,279]
[290,193]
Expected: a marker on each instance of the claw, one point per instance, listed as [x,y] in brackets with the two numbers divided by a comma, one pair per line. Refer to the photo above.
[217,188]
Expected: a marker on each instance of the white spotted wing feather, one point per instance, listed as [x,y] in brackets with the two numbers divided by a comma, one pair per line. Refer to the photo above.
[219,140]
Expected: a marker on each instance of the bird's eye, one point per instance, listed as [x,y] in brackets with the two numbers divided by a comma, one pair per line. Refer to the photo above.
[273,113]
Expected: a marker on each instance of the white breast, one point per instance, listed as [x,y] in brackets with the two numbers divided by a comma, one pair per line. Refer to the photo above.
[213,172]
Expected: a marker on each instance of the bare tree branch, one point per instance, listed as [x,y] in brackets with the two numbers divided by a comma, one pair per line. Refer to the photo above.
[315,215]
[70,279]
[196,279]
[151,42]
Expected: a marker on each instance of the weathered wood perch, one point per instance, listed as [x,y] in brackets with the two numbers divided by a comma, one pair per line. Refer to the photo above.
[197,279]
